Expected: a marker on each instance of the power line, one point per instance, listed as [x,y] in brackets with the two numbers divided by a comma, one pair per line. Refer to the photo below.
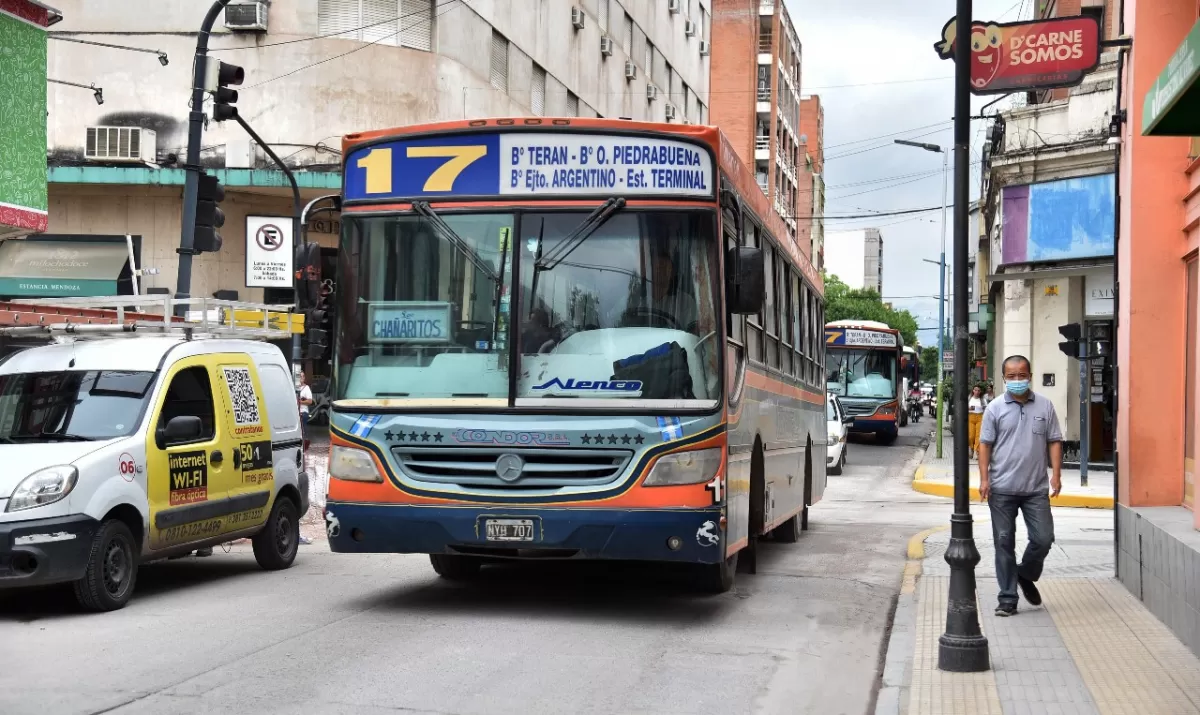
[350,52]
[331,34]
[885,136]
[881,146]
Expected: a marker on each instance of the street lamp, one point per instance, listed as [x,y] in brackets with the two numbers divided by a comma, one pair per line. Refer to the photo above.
[941,281]
[97,92]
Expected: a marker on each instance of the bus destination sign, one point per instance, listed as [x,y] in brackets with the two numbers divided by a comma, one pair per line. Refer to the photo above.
[529,164]
[851,337]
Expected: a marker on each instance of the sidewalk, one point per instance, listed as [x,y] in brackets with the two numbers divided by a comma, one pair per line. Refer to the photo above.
[936,476]
[1091,648]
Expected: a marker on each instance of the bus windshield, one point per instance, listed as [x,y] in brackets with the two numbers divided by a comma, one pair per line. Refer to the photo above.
[628,313]
[861,373]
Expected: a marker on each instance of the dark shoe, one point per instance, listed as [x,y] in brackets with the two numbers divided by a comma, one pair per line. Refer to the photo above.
[206,551]
[1030,590]
[1005,611]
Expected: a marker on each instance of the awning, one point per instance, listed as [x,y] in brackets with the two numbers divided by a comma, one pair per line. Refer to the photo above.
[57,268]
[1172,106]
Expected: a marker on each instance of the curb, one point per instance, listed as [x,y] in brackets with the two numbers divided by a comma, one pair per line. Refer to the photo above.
[946,489]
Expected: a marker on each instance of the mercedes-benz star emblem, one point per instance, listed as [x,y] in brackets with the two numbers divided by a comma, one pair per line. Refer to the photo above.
[509,467]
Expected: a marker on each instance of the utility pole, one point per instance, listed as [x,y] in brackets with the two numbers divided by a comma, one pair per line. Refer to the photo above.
[191,186]
[962,648]
[941,372]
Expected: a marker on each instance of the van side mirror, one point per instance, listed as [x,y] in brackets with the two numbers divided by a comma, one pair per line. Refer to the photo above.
[745,284]
[181,430]
[847,420]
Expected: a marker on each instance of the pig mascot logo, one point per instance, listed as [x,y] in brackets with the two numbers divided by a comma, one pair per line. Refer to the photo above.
[987,50]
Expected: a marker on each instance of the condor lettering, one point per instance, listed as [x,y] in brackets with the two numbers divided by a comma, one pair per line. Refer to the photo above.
[571,384]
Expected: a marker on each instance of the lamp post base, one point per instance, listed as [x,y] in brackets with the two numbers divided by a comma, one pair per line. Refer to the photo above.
[963,647]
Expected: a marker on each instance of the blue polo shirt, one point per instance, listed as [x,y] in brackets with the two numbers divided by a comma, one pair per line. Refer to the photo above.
[1020,435]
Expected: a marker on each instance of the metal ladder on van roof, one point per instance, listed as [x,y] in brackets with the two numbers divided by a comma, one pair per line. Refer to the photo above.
[131,316]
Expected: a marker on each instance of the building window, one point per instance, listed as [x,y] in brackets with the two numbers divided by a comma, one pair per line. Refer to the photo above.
[408,23]
[649,66]
[572,105]
[627,35]
[1096,11]
[537,94]
[603,19]
[499,61]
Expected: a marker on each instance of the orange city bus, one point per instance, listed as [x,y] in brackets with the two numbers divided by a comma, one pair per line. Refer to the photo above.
[569,338]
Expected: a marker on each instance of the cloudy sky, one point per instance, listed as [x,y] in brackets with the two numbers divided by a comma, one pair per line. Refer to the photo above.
[899,89]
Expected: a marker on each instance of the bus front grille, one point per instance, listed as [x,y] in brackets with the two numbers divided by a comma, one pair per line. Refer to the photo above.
[538,468]
[858,410]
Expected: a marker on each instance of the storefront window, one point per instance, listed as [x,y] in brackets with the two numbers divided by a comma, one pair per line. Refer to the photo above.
[1189,390]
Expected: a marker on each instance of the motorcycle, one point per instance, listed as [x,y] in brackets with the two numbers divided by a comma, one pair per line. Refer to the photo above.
[915,409]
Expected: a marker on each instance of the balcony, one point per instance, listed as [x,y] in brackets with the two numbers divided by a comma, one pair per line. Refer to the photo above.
[766,7]
[764,94]
[764,44]
[762,148]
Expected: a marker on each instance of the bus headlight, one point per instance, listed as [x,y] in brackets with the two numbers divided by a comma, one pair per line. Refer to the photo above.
[888,410]
[353,465]
[693,467]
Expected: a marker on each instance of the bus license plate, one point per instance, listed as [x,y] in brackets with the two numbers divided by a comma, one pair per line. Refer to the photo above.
[509,529]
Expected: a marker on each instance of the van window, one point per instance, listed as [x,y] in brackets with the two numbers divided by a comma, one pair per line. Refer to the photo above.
[281,398]
[190,395]
[71,405]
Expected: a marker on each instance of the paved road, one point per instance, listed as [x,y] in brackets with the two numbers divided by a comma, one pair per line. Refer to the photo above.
[381,634]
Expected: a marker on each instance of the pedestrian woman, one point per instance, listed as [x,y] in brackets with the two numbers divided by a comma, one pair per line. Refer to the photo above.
[975,407]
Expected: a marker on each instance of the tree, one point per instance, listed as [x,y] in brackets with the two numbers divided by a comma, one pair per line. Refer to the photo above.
[929,363]
[845,303]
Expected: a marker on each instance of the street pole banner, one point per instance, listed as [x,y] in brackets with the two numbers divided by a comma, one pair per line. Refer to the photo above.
[268,252]
[1020,56]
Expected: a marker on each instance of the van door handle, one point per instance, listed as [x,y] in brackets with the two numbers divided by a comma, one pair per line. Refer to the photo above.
[216,457]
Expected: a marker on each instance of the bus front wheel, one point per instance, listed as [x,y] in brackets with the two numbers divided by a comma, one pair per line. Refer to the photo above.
[718,578]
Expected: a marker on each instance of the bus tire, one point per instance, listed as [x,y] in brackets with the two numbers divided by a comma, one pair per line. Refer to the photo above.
[807,488]
[789,531]
[455,567]
[717,578]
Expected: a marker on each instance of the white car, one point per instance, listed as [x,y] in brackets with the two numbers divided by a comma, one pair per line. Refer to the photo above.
[837,419]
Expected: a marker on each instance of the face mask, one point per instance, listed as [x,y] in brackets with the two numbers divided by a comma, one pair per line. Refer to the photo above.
[1017,387]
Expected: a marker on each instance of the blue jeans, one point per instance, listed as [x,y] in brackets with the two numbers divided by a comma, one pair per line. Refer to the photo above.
[1036,511]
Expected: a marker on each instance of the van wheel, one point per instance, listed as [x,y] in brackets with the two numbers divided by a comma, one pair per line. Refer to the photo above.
[836,469]
[111,571]
[276,544]
[455,567]
[717,578]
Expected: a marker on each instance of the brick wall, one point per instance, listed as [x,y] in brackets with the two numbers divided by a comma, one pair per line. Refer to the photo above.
[733,73]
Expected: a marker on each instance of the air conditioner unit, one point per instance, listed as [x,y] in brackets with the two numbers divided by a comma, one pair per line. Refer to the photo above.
[689,28]
[132,144]
[578,18]
[705,48]
[651,92]
[606,46]
[673,5]
[669,112]
[246,16]
[630,70]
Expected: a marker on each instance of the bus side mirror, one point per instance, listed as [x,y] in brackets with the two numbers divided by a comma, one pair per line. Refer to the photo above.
[745,286]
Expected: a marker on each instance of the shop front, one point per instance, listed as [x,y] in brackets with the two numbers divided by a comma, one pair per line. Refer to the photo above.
[68,266]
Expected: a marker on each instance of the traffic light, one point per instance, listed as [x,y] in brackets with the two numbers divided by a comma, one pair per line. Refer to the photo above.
[308,274]
[315,332]
[1073,332]
[209,216]
[218,76]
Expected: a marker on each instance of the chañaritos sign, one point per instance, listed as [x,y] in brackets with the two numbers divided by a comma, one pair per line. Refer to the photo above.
[1017,56]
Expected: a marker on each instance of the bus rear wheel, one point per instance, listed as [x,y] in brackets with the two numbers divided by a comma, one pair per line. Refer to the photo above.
[717,578]
[455,567]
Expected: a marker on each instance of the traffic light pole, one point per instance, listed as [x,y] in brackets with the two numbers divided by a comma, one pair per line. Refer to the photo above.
[1084,404]
[191,186]
[296,209]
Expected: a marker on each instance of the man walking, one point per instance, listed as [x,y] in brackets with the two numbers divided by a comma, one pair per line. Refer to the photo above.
[1020,435]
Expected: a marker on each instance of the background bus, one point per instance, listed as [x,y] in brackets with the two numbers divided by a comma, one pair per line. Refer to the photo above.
[863,369]
[543,351]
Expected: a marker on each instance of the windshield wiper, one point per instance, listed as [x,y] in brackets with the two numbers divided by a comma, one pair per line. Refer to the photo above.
[443,229]
[62,437]
[567,246]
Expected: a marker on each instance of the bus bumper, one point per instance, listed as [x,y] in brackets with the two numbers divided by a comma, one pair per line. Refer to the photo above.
[869,425]
[565,533]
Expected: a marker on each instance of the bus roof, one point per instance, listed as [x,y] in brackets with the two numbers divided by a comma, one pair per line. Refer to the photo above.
[862,325]
[730,164]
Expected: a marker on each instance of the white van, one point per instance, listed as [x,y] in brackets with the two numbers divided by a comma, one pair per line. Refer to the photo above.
[120,451]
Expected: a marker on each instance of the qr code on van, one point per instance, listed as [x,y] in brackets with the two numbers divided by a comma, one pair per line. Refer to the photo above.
[241,392]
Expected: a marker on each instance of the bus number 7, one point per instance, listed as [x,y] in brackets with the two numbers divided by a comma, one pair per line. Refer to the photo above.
[378,166]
